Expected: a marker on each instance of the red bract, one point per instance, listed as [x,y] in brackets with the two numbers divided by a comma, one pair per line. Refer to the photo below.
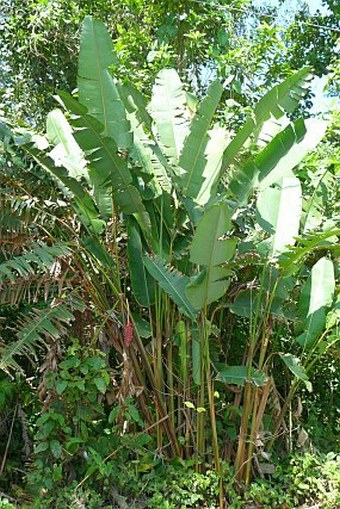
[128,334]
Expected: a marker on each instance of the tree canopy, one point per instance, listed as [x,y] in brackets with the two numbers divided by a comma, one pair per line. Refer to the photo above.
[40,42]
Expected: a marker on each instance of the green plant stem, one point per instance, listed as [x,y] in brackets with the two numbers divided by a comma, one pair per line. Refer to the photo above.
[170,383]
[200,416]
[241,449]
[252,437]
[160,406]
[242,455]
[211,399]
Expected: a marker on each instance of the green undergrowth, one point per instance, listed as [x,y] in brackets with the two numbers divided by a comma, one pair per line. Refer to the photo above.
[305,478]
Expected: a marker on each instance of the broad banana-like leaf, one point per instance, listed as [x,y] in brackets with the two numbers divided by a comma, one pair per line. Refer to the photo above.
[270,129]
[308,134]
[193,159]
[160,211]
[97,250]
[141,281]
[167,108]
[143,326]
[107,171]
[279,212]
[84,204]
[96,87]
[237,375]
[135,103]
[281,99]
[246,304]
[146,148]
[210,250]
[66,151]
[218,139]
[294,365]
[142,152]
[316,297]
[278,158]
[172,282]
[273,293]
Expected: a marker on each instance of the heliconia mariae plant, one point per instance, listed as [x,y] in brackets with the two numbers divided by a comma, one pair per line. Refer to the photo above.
[173,182]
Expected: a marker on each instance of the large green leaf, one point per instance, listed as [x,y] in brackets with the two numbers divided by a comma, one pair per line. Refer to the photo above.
[294,365]
[237,375]
[107,171]
[172,282]
[193,158]
[316,297]
[168,110]
[308,134]
[142,152]
[210,249]
[322,285]
[66,151]
[135,103]
[96,248]
[218,139]
[141,281]
[246,304]
[270,298]
[283,98]
[96,87]
[83,201]
[279,212]
[277,159]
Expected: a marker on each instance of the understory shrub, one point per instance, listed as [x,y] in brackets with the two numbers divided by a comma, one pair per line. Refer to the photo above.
[301,479]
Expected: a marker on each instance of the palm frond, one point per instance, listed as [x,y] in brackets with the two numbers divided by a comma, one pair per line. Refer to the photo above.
[40,258]
[38,328]
[37,273]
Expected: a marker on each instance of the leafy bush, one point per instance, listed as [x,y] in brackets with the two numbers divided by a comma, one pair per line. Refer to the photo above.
[184,488]
[5,504]
[70,498]
[77,430]
[302,479]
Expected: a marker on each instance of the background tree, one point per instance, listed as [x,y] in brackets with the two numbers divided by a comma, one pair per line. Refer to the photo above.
[202,40]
